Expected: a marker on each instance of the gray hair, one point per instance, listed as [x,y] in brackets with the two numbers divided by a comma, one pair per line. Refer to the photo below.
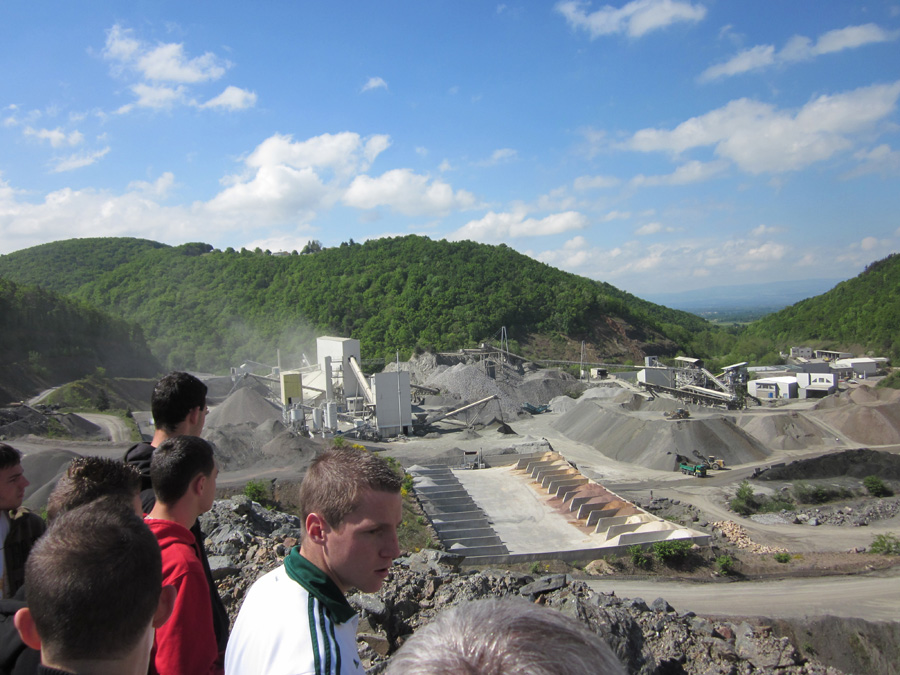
[504,636]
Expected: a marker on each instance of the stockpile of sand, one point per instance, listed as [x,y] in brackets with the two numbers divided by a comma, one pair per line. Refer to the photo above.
[787,431]
[866,415]
[654,443]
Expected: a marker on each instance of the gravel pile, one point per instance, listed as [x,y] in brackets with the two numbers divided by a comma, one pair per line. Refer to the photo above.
[847,516]
[869,416]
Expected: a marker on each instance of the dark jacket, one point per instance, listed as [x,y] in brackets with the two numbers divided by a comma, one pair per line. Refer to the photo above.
[24,529]
[139,455]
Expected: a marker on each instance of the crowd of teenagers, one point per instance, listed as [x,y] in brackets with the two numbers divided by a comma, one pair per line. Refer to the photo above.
[118,581]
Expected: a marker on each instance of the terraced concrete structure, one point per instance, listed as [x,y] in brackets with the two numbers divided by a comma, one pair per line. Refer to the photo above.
[540,507]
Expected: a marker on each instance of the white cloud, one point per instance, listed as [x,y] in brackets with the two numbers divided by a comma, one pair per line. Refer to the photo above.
[157,97]
[374,83]
[57,137]
[649,228]
[634,19]
[168,63]
[502,226]
[869,244]
[762,230]
[158,188]
[406,192]
[758,138]
[881,159]
[79,161]
[499,157]
[691,172]
[595,182]
[233,98]
[345,153]
[799,48]
[165,73]
[754,58]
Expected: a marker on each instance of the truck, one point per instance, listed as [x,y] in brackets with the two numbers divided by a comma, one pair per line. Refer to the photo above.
[698,470]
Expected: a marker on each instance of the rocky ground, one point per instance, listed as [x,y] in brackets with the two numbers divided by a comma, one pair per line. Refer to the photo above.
[245,540]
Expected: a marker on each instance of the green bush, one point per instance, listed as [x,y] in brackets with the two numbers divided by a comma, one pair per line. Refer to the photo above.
[640,558]
[876,487]
[745,502]
[887,544]
[725,564]
[782,557]
[672,551]
[256,490]
[805,493]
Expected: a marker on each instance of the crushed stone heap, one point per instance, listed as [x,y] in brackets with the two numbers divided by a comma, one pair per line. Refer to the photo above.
[246,540]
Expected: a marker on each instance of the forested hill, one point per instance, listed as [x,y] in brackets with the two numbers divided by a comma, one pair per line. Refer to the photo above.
[862,312]
[208,309]
[64,266]
[46,340]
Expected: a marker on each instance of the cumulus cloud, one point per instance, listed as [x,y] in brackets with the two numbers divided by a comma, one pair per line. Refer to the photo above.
[799,48]
[758,138]
[233,98]
[881,159]
[762,230]
[374,83]
[56,137]
[502,226]
[649,228]
[165,73]
[634,19]
[406,192]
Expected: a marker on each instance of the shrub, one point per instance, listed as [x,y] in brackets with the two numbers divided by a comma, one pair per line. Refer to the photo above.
[256,490]
[745,502]
[819,494]
[725,564]
[640,558]
[876,487]
[672,551]
[782,557]
[886,544]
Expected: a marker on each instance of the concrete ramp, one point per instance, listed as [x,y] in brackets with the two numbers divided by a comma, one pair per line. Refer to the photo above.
[539,507]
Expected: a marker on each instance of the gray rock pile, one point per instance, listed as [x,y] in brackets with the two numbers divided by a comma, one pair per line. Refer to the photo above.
[858,515]
[246,540]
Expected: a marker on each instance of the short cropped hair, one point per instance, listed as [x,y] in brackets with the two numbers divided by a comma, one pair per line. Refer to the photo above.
[174,396]
[9,456]
[88,478]
[94,581]
[504,636]
[335,479]
[176,462]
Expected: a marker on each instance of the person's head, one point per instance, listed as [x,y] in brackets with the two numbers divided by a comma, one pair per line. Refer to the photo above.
[88,478]
[351,508]
[94,587]
[179,398]
[502,637]
[12,478]
[184,466]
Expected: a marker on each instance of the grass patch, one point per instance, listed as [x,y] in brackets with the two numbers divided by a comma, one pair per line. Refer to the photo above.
[885,544]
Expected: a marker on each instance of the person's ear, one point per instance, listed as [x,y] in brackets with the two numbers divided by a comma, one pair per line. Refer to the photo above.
[198,485]
[193,417]
[316,528]
[165,606]
[24,622]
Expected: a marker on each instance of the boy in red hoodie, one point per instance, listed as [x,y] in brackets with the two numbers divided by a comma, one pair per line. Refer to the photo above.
[183,471]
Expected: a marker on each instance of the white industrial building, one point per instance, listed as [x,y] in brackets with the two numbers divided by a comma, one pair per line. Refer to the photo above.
[336,389]
[773,387]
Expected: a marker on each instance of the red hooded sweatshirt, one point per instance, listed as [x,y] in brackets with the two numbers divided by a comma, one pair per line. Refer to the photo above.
[186,643]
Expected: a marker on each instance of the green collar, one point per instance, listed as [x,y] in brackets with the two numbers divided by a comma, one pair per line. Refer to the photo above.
[318,584]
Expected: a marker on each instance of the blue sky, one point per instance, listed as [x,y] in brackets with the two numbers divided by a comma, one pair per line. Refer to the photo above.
[658,145]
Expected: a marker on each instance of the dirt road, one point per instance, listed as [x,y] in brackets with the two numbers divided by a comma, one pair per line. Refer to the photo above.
[874,597]
[118,430]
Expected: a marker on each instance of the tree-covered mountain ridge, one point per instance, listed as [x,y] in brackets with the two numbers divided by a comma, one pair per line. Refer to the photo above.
[861,312]
[208,309]
[48,339]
